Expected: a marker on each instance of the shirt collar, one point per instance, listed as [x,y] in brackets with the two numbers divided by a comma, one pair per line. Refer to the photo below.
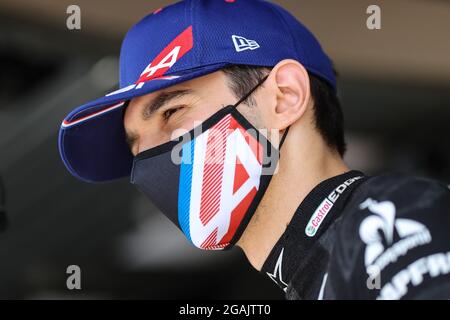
[320,208]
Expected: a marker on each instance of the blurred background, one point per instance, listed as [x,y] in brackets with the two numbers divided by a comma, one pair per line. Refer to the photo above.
[395,90]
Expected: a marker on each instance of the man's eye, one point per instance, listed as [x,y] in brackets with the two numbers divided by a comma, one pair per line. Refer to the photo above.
[169,112]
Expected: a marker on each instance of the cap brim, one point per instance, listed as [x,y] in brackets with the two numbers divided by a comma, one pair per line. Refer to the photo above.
[92,140]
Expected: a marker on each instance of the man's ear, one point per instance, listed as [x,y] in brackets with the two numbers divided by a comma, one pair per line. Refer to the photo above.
[290,82]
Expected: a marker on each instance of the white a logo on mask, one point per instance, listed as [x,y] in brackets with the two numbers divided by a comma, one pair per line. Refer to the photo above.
[226,173]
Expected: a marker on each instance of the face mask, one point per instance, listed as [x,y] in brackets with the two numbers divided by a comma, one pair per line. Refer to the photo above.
[209,181]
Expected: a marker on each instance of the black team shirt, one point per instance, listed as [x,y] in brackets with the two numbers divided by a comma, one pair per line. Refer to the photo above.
[361,237]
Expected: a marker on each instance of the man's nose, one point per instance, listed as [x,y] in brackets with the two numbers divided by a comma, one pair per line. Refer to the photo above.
[150,140]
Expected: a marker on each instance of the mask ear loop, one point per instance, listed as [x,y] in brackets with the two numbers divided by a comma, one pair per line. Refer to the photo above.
[250,92]
[283,138]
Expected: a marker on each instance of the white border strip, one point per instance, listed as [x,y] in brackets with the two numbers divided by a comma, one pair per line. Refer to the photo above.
[66,124]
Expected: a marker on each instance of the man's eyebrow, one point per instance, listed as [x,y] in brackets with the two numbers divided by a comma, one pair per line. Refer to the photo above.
[162,99]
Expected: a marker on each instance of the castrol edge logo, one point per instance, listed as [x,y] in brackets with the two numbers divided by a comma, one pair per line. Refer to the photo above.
[325,207]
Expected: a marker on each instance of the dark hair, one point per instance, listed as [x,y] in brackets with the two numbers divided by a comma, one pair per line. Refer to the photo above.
[329,118]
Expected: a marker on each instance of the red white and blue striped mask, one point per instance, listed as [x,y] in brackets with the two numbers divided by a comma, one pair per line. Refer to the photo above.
[209,181]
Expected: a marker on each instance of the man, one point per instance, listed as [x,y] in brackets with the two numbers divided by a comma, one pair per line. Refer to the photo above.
[227,119]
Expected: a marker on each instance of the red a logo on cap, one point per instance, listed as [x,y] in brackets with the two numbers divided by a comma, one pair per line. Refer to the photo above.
[182,44]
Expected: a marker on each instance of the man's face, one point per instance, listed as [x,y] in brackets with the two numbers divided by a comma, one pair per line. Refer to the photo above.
[151,120]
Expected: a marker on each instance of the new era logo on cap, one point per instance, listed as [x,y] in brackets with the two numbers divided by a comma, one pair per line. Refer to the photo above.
[242,44]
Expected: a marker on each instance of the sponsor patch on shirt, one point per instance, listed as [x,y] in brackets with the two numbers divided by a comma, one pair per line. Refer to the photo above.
[325,207]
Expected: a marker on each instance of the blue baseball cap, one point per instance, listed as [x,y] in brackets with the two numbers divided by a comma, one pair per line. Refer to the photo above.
[174,44]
